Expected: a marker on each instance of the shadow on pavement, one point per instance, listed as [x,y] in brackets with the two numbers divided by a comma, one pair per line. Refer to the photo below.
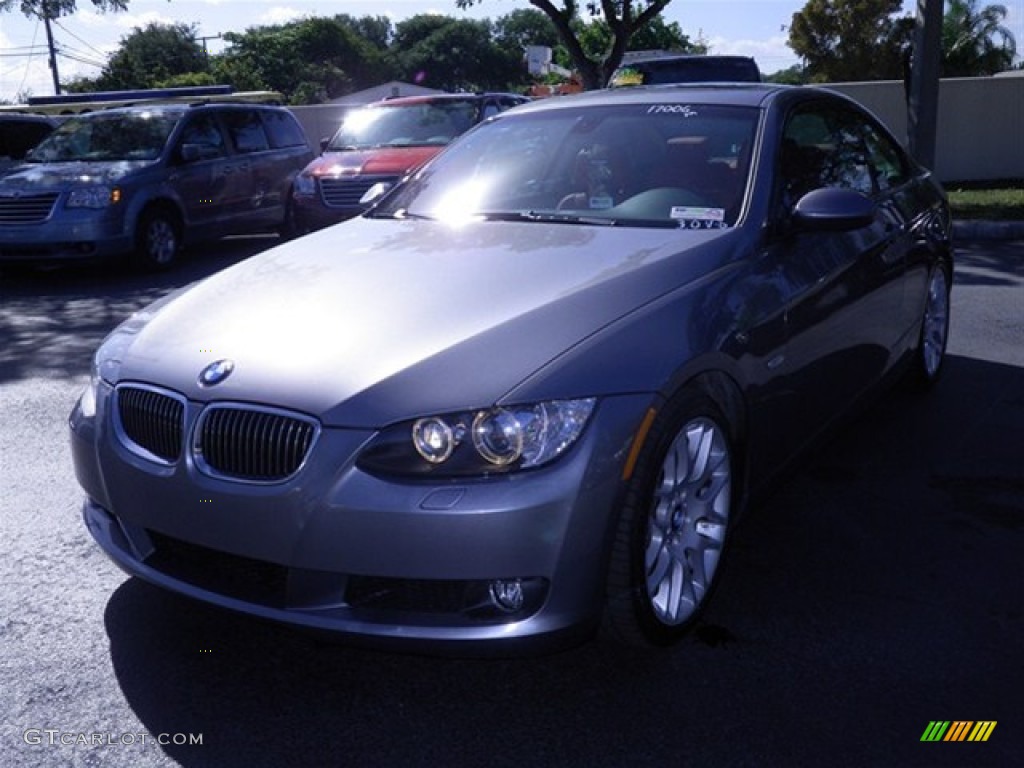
[880,588]
[52,320]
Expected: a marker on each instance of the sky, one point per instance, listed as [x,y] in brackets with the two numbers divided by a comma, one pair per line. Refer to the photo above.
[755,28]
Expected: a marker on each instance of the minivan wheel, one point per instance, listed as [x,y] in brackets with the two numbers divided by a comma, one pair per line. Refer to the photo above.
[157,240]
[677,514]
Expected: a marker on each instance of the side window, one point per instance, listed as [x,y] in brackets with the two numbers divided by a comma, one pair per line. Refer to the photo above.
[282,129]
[490,110]
[246,130]
[203,132]
[888,162]
[18,137]
[823,146]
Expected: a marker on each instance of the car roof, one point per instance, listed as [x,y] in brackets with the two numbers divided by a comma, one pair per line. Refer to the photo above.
[176,109]
[26,117]
[428,98]
[656,58]
[723,94]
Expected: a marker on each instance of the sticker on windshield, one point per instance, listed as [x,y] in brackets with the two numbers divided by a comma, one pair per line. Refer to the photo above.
[683,110]
[695,217]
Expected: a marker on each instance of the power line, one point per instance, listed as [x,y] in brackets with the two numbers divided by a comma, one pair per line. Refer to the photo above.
[28,64]
[86,43]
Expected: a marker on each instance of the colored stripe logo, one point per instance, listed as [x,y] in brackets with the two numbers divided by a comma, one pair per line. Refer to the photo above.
[958,730]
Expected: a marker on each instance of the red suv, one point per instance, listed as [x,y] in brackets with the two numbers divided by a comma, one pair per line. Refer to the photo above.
[381,143]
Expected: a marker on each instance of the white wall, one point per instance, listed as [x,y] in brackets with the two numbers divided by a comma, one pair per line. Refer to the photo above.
[980,135]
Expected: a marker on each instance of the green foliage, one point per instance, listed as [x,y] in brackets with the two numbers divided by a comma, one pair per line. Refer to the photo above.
[849,40]
[454,55]
[997,200]
[795,75]
[974,40]
[320,58]
[187,80]
[57,8]
[624,19]
[150,56]
[309,60]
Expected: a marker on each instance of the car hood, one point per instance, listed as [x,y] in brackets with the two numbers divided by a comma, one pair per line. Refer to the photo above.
[375,321]
[39,176]
[384,161]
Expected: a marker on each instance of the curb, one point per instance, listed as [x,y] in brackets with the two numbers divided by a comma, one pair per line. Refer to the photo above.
[970,229]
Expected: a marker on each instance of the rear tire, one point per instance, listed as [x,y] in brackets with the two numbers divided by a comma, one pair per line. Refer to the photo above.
[157,240]
[674,524]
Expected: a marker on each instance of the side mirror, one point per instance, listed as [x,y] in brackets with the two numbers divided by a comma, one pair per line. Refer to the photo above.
[833,209]
[323,144]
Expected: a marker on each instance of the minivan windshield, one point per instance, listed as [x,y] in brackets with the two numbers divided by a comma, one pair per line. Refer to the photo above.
[659,165]
[425,123]
[104,137]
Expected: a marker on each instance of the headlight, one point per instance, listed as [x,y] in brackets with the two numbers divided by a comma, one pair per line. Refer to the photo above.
[305,185]
[93,197]
[499,439]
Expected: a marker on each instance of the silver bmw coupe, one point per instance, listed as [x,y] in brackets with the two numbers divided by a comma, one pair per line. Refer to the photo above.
[528,394]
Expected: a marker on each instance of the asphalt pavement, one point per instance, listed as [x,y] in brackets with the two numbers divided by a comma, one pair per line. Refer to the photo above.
[879,590]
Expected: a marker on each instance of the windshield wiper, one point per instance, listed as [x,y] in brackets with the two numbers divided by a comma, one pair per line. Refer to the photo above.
[399,214]
[547,217]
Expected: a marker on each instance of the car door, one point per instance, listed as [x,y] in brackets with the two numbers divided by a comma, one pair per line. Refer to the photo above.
[249,179]
[844,289]
[199,177]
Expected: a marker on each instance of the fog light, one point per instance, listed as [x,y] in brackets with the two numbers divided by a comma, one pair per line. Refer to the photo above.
[507,595]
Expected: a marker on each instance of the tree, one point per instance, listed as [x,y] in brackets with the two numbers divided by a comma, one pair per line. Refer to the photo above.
[150,57]
[623,17]
[794,75]
[308,61]
[596,37]
[974,40]
[454,54]
[55,8]
[844,40]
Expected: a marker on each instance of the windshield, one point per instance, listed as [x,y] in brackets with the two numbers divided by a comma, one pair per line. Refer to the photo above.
[668,165]
[426,123]
[696,69]
[107,137]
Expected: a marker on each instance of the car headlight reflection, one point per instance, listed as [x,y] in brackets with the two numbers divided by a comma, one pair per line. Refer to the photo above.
[93,197]
[305,185]
[497,439]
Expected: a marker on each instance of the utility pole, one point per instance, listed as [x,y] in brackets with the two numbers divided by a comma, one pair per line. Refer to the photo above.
[923,93]
[53,52]
[206,52]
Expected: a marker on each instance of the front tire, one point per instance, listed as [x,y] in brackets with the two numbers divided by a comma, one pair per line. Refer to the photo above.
[674,525]
[931,346]
[157,240]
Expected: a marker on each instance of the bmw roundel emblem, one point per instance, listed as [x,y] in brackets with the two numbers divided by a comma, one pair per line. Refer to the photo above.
[216,372]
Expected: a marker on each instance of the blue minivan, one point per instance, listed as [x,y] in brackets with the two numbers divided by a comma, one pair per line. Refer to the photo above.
[145,180]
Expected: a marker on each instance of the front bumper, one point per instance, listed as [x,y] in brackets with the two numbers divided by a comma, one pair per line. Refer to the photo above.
[311,214]
[66,236]
[375,560]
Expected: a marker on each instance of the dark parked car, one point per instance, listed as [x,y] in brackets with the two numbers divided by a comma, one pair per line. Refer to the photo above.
[661,69]
[532,389]
[148,179]
[379,144]
[19,133]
